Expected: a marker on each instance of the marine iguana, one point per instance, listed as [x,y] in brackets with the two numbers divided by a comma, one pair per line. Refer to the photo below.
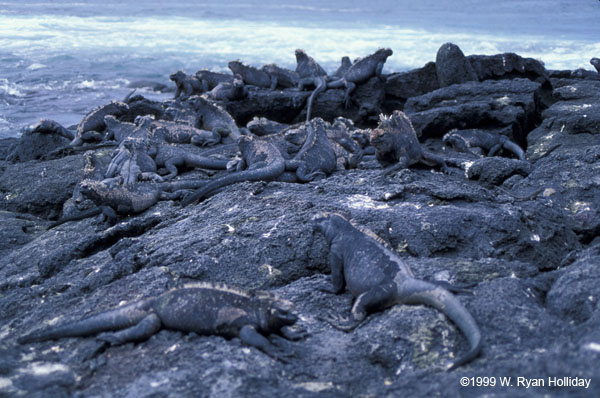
[262,160]
[344,66]
[202,308]
[310,73]
[132,161]
[226,91]
[360,71]
[117,130]
[316,158]
[281,77]
[94,121]
[595,63]
[397,146]
[114,200]
[187,85]
[466,140]
[212,117]
[210,80]
[265,159]
[47,126]
[261,126]
[165,131]
[250,74]
[378,278]
[348,153]
[170,157]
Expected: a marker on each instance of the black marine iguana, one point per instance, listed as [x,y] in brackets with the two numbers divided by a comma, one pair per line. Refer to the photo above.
[345,64]
[93,123]
[112,200]
[348,153]
[465,140]
[205,309]
[364,264]
[212,117]
[595,63]
[316,158]
[310,73]
[360,71]
[170,157]
[264,160]
[131,160]
[281,77]
[226,91]
[209,79]
[250,74]
[397,146]
[187,85]
[48,126]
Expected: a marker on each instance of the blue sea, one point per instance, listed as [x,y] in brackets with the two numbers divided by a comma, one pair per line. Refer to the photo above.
[60,59]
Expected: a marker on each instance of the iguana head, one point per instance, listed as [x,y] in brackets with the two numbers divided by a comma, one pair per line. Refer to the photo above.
[322,222]
[455,140]
[595,62]
[235,66]
[379,136]
[383,53]
[279,312]
[177,76]
[92,189]
[301,55]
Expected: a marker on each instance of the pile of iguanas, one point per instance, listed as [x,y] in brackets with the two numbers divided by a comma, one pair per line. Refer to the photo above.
[154,142]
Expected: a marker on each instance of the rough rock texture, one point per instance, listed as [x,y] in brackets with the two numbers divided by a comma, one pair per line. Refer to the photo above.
[566,151]
[521,235]
[34,146]
[491,103]
[507,66]
[452,67]
[401,86]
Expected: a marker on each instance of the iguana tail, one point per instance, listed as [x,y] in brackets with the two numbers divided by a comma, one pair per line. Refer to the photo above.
[514,148]
[208,163]
[321,86]
[118,318]
[414,291]
[94,211]
[267,173]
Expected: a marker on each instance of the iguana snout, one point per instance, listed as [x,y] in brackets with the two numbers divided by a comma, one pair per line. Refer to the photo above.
[282,313]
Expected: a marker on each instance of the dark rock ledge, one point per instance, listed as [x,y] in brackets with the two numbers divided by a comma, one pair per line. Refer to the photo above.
[523,233]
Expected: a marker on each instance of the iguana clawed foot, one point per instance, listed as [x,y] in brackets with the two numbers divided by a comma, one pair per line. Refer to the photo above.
[109,338]
[294,333]
[345,324]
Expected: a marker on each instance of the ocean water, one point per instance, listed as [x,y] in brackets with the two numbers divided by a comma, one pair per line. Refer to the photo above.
[60,59]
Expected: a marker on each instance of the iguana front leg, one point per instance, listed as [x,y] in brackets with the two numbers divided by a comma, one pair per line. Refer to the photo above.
[336,263]
[251,337]
[431,159]
[379,69]
[378,297]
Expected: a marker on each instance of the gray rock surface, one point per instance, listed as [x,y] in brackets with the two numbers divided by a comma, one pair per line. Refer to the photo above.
[452,67]
[520,234]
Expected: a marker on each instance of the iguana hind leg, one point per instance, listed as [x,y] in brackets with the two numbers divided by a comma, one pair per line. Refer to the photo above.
[349,89]
[139,332]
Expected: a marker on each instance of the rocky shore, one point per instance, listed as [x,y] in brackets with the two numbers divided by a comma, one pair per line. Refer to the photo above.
[519,229]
